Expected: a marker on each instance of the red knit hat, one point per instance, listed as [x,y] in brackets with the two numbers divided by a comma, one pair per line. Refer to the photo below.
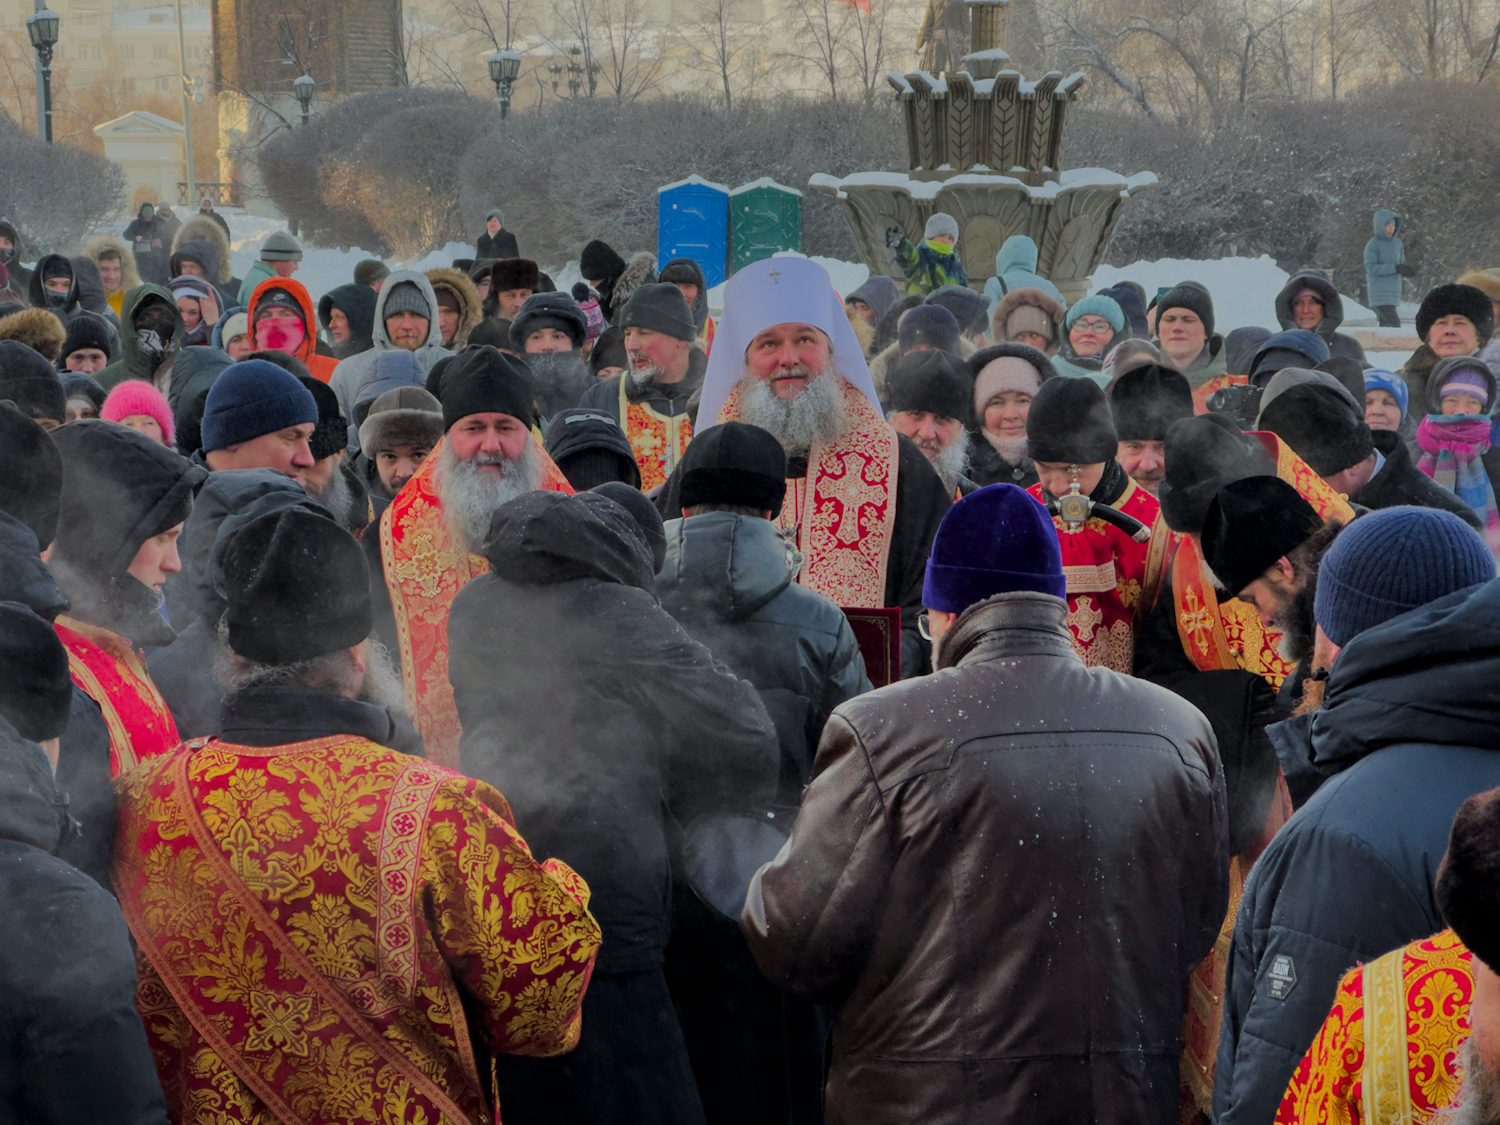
[136,397]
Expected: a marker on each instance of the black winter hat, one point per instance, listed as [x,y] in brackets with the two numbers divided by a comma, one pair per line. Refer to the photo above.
[1069,422]
[644,512]
[930,326]
[1241,347]
[88,332]
[297,587]
[78,385]
[331,431]
[599,261]
[590,448]
[1147,401]
[514,273]
[1250,524]
[662,308]
[36,692]
[491,331]
[1320,427]
[548,310]
[119,489]
[1203,454]
[608,351]
[30,382]
[931,381]
[484,380]
[31,474]
[1468,878]
[1188,295]
[1464,300]
[970,309]
[734,463]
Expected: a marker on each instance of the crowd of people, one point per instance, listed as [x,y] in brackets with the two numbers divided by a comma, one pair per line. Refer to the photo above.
[449,698]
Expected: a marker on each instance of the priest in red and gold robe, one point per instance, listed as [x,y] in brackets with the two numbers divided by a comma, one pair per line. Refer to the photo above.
[428,543]
[1071,435]
[124,500]
[328,930]
[862,501]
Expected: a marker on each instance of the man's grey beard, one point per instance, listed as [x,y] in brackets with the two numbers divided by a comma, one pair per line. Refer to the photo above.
[470,495]
[1478,1101]
[816,414]
[642,377]
[334,672]
[950,461]
[1014,450]
[336,496]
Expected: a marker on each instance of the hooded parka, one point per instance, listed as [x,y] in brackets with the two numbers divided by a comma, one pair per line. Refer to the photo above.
[1383,253]
[350,373]
[134,362]
[1333,313]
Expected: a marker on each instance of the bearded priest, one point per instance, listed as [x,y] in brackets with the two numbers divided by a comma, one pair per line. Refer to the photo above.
[862,501]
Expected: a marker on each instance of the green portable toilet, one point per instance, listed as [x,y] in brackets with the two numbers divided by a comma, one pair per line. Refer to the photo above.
[765,217]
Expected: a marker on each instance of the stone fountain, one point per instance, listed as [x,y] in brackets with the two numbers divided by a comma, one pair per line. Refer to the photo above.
[984,147]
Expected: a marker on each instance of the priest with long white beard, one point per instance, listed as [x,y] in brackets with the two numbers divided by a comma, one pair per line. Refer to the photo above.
[862,501]
[428,544]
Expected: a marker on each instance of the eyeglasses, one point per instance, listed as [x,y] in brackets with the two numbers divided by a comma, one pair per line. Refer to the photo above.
[924,625]
[1097,327]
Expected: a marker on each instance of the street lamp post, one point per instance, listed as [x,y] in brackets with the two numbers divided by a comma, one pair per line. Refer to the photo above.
[575,70]
[42,25]
[303,87]
[505,68]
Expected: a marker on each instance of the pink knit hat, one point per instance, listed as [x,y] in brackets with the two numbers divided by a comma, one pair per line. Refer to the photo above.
[592,313]
[136,397]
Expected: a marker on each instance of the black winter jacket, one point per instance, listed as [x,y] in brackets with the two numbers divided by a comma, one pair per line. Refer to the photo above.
[500,245]
[1006,872]
[72,1047]
[595,713]
[727,581]
[1406,731]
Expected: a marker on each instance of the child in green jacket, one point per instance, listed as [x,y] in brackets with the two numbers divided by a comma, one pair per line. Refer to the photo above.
[934,263]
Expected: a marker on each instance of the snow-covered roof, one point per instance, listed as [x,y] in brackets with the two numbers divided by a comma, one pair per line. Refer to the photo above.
[139,121]
[1074,179]
[695,181]
[764,182]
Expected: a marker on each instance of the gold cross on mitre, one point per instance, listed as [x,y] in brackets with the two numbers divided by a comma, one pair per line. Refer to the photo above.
[775,276]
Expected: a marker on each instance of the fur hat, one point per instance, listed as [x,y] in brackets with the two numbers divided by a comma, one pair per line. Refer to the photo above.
[1028,310]
[1320,428]
[297,587]
[1069,422]
[1460,300]
[1486,281]
[1252,522]
[930,381]
[1468,878]
[513,273]
[1147,401]
[401,416]
[1203,454]
[134,396]
[997,540]
[38,329]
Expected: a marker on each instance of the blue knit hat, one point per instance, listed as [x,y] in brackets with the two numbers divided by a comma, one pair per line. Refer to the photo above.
[1097,305]
[932,325]
[989,525]
[252,398]
[1394,560]
[1378,380]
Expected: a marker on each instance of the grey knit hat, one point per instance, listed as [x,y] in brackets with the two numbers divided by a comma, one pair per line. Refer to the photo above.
[660,308]
[406,296]
[279,246]
[941,223]
[369,271]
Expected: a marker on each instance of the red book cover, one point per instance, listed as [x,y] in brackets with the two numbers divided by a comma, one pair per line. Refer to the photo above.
[878,632]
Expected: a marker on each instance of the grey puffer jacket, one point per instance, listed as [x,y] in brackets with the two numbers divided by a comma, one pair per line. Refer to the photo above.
[727,581]
[1005,872]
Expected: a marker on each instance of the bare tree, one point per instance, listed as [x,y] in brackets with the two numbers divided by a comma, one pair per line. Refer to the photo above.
[815,37]
[866,45]
[718,42]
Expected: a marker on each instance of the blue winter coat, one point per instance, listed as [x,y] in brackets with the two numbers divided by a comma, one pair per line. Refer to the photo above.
[1407,730]
[1015,268]
[1383,254]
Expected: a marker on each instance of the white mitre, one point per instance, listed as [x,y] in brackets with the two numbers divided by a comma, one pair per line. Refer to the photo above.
[778,291]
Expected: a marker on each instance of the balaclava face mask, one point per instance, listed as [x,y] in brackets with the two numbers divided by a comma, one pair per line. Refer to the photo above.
[154,326]
[57,300]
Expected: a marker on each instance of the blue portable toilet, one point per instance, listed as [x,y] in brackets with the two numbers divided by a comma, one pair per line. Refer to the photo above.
[693,222]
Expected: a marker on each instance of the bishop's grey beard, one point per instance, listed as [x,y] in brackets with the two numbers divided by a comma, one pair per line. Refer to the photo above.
[470,495]
[1478,1101]
[815,414]
[1014,450]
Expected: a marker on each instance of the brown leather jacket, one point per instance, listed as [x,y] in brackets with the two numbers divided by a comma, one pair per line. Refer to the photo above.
[1005,872]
